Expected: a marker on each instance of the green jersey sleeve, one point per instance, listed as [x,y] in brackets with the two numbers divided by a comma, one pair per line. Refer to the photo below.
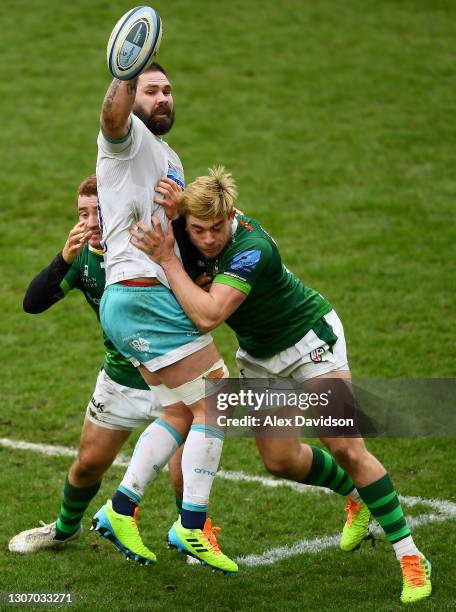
[71,278]
[241,266]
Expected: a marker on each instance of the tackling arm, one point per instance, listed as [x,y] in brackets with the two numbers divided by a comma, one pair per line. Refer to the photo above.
[117,106]
[207,310]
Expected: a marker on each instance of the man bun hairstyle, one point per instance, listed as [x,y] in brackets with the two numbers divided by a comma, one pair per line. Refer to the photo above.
[209,196]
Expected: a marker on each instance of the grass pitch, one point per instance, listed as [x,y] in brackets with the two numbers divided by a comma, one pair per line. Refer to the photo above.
[337,121]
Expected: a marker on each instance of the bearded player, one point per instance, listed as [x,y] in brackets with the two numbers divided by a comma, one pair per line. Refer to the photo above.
[145,322]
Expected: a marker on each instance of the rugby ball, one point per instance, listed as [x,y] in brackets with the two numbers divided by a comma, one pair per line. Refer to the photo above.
[134,41]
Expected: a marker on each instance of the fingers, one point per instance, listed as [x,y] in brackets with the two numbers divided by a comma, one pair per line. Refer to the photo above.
[143,227]
[157,225]
[168,181]
[77,237]
[77,229]
[86,237]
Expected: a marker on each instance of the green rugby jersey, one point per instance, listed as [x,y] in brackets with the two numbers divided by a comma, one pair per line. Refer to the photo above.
[87,274]
[278,310]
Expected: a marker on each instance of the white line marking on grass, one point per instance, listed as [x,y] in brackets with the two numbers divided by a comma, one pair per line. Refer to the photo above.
[442,509]
[316,545]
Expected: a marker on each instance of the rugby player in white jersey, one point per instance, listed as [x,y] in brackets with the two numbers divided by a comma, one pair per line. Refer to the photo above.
[145,322]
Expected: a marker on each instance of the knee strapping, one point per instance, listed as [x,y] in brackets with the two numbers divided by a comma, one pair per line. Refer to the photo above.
[196,389]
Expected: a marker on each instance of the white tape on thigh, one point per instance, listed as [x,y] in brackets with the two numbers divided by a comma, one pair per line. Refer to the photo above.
[192,391]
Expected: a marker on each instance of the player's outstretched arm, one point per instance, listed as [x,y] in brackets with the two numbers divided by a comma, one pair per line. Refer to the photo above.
[45,289]
[117,106]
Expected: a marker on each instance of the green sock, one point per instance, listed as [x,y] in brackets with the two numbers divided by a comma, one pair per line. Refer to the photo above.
[74,503]
[382,500]
[325,472]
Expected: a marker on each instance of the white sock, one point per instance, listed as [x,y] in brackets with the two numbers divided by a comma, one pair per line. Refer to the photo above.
[155,447]
[356,496]
[406,546]
[200,461]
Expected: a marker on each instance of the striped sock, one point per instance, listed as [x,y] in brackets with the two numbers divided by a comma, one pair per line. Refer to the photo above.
[74,503]
[324,472]
[382,500]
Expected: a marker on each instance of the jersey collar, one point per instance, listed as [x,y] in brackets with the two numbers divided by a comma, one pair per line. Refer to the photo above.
[97,251]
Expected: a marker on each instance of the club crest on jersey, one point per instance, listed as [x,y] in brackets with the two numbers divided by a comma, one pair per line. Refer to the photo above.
[316,355]
[141,345]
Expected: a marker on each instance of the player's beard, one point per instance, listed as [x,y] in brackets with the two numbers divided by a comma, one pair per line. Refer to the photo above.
[156,126]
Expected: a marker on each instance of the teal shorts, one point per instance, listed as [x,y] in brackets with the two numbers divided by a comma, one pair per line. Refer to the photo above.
[148,326]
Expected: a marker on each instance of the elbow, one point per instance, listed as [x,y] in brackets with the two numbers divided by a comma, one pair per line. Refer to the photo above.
[29,307]
[206,325]
[113,124]
[109,123]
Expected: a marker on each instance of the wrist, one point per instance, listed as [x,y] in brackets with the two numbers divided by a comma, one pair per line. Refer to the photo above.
[67,257]
[168,261]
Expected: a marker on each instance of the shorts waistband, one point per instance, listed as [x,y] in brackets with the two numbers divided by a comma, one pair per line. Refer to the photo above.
[134,283]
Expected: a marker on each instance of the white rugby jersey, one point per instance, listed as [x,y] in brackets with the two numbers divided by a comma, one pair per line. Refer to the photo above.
[127,173]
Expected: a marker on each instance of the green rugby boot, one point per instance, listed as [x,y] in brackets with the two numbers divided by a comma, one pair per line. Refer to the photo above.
[356,528]
[123,532]
[416,574]
[201,544]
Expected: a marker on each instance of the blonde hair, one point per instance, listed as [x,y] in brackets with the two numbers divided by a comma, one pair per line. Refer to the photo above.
[209,196]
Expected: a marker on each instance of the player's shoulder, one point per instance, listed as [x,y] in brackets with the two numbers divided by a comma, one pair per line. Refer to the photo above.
[87,256]
[250,233]
[122,148]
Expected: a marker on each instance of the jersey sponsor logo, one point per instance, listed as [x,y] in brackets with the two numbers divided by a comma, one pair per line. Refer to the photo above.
[175,174]
[316,355]
[233,275]
[246,261]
